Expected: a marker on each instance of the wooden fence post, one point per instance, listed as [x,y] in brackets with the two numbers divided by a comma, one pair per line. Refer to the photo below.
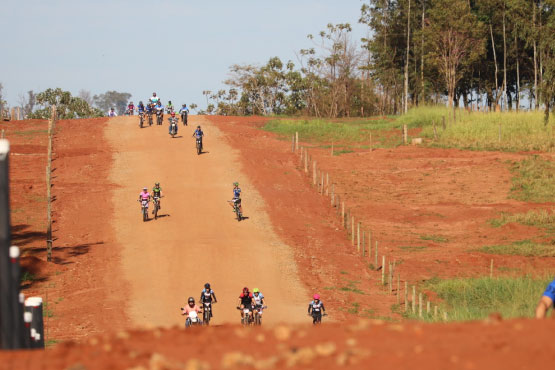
[314,173]
[383,270]
[405,134]
[353,231]
[398,289]
[297,140]
[343,214]
[420,305]
[358,237]
[306,160]
[376,256]
[435,131]
[362,243]
[49,186]
[491,269]
[413,300]
[406,296]
[327,184]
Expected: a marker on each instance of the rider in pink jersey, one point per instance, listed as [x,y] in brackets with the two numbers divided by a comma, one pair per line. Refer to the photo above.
[144,195]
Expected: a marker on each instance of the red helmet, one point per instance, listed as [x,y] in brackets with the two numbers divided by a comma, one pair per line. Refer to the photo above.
[316,297]
[173,114]
[245,290]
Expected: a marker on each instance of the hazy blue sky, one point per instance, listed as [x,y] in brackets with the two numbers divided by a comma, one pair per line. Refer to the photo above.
[176,48]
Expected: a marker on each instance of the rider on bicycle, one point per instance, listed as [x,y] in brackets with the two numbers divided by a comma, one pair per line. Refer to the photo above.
[245,300]
[207,296]
[173,119]
[198,134]
[190,307]
[141,107]
[169,107]
[236,197]
[258,299]
[315,309]
[144,196]
[157,194]
[159,108]
[154,99]
[184,112]
[112,113]
[130,108]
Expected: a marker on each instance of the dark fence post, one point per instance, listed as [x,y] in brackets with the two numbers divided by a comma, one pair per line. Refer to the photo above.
[17,309]
[34,306]
[7,286]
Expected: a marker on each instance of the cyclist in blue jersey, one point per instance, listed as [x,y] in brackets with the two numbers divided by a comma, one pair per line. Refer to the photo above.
[236,197]
[546,301]
[141,108]
[184,112]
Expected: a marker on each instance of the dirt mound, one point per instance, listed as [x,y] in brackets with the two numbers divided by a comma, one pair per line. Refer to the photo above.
[366,344]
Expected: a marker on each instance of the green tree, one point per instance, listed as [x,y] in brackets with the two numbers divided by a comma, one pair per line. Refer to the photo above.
[67,106]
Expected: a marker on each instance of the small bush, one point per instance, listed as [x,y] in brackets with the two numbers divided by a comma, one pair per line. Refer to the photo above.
[525,248]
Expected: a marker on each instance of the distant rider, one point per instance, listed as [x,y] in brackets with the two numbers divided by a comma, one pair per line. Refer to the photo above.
[184,112]
[144,196]
[245,300]
[190,307]
[236,197]
[112,113]
[173,119]
[546,301]
[169,107]
[315,309]
[130,108]
[199,135]
[160,108]
[157,194]
[207,296]
[141,108]
[258,299]
[154,99]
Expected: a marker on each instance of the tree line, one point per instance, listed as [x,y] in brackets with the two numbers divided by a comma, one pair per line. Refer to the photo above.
[490,54]
[85,105]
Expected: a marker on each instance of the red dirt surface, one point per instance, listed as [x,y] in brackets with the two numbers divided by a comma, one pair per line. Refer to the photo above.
[403,195]
[456,193]
[78,286]
[518,344]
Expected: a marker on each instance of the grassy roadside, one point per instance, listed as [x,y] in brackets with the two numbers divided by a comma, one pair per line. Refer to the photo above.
[534,180]
[345,133]
[506,131]
[477,298]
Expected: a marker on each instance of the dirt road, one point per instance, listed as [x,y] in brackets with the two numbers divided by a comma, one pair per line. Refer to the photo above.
[197,239]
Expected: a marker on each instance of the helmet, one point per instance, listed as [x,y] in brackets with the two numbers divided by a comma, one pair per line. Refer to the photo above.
[198,126]
[130,102]
[255,290]
[207,286]
[245,290]
[157,184]
[141,102]
[169,101]
[145,188]
[153,94]
[316,297]
[184,105]
[173,114]
[191,300]
[235,183]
